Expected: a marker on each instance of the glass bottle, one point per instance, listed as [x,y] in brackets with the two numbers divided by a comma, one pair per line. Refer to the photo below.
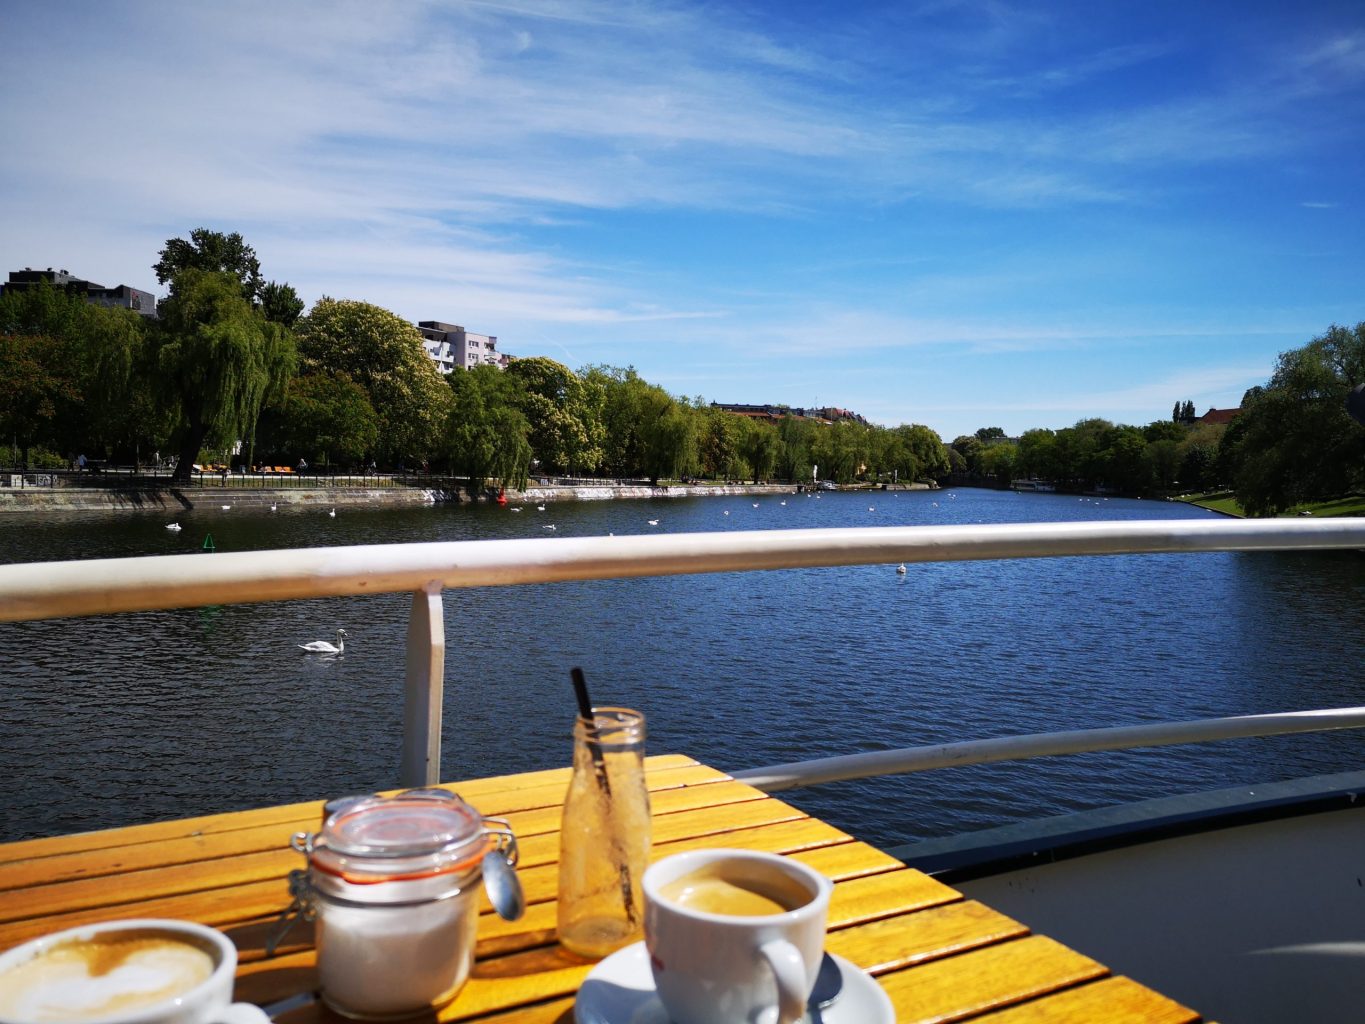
[604,835]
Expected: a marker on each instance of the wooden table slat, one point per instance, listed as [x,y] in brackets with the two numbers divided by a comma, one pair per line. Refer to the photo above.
[1107,1001]
[891,943]
[967,985]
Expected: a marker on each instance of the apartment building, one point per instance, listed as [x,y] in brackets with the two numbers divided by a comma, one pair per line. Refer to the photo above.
[450,346]
[122,296]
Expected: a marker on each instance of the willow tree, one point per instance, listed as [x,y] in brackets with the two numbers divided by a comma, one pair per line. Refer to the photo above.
[382,353]
[219,360]
[487,437]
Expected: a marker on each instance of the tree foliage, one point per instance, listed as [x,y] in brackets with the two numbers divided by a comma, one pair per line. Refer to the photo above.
[382,353]
[70,372]
[487,437]
[218,361]
[1294,441]
[211,251]
[566,429]
[280,303]
[326,417]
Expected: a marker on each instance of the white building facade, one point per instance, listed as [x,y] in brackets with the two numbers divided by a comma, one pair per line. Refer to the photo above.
[451,347]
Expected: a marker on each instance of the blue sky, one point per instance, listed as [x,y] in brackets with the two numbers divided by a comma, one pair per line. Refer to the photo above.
[962,214]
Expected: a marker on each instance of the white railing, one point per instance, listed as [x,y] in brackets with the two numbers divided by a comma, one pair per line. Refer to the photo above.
[61,589]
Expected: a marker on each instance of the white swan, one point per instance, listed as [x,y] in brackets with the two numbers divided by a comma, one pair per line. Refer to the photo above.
[226,507]
[654,522]
[333,513]
[173,526]
[550,527]
[516,510]
[900,569]
[726,512]
[323,647]
[272,508]
[540,508]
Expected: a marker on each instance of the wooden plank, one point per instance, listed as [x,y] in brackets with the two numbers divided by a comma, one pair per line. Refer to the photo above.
[1107,1001]
[120,860]
[847,859]
[218,908]
[959,987]
[705,788]
[885,895]
[890,943]
[546,820]
[137,886]
[502,793]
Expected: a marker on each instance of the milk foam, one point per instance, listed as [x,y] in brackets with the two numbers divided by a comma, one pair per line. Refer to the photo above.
[80,981]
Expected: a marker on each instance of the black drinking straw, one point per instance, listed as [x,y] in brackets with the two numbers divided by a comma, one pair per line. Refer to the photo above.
[580,689]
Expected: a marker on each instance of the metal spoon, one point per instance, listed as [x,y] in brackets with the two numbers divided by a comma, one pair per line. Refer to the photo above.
[503,885]
[829,982]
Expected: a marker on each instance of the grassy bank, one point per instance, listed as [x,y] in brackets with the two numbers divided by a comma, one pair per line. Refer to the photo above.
[1226,503]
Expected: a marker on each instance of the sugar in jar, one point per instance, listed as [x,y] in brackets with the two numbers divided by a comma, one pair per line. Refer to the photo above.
[393,884]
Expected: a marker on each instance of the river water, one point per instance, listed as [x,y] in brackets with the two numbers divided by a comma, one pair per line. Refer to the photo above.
[127,718]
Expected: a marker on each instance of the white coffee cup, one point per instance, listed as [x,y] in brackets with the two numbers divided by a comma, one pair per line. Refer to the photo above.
[208,1001]
[723,967]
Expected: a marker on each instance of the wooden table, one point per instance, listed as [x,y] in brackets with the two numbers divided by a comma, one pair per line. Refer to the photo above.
[941,957]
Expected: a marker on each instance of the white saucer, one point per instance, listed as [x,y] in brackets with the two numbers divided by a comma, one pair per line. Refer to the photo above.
[620,990]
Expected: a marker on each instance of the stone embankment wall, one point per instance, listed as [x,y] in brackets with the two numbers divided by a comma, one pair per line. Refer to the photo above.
[175,499]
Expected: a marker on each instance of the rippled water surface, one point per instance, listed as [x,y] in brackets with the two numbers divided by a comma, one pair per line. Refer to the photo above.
[128,718]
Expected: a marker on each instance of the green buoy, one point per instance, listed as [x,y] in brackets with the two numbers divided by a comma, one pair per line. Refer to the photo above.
[208,543]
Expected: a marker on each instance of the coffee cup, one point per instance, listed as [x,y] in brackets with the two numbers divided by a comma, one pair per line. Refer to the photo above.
[734,935]
[141,971]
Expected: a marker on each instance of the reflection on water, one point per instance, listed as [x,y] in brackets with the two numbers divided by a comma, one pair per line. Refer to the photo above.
[136,717]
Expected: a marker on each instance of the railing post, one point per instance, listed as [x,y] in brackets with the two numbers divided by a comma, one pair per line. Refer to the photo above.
[424,689]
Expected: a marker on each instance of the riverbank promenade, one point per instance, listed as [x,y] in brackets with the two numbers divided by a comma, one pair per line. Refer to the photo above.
[47,490]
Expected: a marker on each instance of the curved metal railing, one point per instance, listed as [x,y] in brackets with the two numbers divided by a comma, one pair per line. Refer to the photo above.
[93,587]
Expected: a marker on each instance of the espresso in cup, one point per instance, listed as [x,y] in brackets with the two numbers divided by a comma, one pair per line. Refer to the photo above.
[734,935]
[145,971]
[718,888]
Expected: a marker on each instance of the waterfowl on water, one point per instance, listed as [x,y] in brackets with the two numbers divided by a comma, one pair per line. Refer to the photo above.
[323,647]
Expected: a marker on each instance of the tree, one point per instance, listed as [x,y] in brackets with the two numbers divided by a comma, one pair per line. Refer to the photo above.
[566,429]
[927,450]
[327,417]
[382,353]
[218,361]
[1294,441]
[969,447]
[721,433]
[1187,414]
[988,434]
[280,303]
[68,379]
[794,460]
[37,386]
[211,251]
[999,461]
[758,446]
[487,437]
[1038,456]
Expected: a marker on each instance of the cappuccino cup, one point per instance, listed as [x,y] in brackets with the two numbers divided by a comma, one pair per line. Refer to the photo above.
[734,936]
[142,971]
